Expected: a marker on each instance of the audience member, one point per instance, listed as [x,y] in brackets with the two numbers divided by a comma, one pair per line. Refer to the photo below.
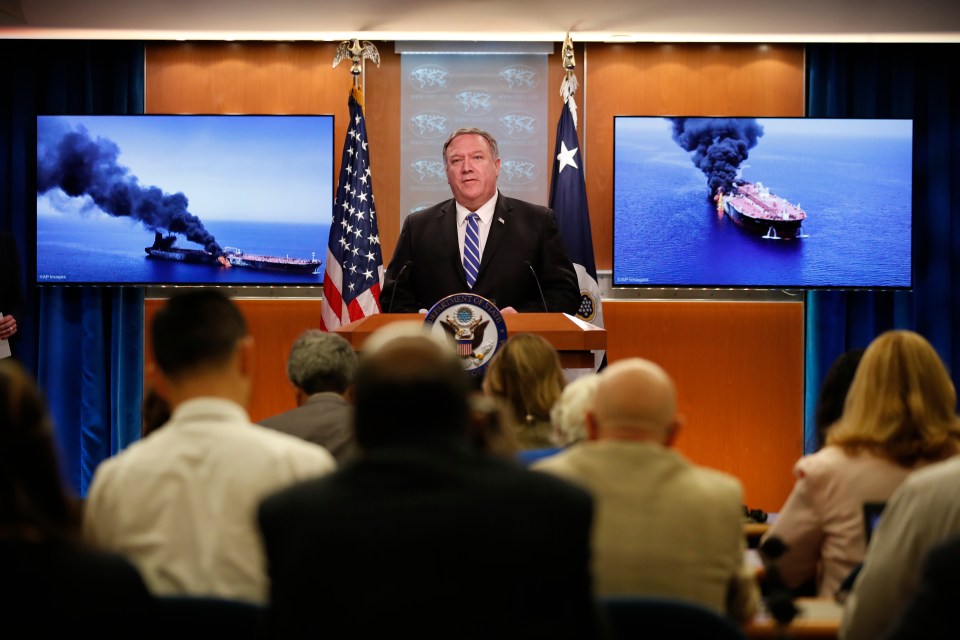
[423,534]
[923,511]
[929,614]
[321,367]
[181,503]
[899,415]
[568,416]
[489,426]
[664,527]
[833,393]
[50,583]
[525,373]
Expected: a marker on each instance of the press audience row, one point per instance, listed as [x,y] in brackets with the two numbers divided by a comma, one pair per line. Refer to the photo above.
[398,496]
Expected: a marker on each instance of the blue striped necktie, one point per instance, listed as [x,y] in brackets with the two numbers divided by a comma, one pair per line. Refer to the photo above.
[471,249]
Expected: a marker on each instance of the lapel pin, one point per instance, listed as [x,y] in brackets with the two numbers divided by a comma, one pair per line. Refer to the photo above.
[500,220]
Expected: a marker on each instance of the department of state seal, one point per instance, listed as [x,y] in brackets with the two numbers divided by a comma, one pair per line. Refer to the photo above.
[473,325]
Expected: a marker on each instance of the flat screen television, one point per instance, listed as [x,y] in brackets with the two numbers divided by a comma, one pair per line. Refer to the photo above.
[236,200]
[771,203]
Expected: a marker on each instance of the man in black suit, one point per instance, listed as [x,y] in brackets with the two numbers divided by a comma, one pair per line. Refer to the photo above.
[520,253]
[424,535]
[11,290]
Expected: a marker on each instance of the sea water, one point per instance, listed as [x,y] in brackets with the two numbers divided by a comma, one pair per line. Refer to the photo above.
[856,193]
[98,249]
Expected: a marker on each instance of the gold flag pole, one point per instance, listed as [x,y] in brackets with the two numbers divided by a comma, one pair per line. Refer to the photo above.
[569,85]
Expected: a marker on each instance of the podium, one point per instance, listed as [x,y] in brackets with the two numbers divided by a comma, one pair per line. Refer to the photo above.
[574,339]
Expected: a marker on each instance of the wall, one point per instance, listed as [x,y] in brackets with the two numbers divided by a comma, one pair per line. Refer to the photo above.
[739,364]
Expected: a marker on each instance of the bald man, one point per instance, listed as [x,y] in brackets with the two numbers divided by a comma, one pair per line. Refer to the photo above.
[664,526]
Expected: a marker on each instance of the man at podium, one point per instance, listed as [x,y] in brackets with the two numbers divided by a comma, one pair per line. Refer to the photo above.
[481,242]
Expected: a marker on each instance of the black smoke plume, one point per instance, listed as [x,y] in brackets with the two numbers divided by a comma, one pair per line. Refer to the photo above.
[719,146]
[80,165]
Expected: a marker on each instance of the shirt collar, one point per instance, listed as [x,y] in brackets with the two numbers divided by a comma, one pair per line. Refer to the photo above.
[485,211]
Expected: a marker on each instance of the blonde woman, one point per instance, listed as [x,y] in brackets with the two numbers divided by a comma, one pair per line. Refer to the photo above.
[899,415]
[526,373]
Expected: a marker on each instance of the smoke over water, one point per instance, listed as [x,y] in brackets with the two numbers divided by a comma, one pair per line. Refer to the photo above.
[719,146]
[80,166]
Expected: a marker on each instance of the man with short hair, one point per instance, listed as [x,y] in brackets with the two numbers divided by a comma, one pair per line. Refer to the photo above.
[320,367]
[424,535]
[480,241]
[664,526]
[181,503]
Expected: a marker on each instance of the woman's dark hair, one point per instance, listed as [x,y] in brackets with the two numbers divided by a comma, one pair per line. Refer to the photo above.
[833,392]
[34,502]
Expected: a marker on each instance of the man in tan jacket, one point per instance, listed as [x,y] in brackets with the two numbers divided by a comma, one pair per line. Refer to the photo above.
[664,526]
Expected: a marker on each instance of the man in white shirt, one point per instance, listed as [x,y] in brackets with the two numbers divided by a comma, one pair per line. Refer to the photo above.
[181,503]
[923,512]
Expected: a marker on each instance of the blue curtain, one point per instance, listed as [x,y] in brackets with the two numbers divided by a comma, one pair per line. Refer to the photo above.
[84,344]
[898,81]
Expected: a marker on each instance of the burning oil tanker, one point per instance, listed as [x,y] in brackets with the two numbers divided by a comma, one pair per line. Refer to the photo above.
[718,148]
[752,206]
[163,249]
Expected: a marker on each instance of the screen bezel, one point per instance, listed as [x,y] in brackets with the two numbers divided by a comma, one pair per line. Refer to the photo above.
[757,286]
[157,285]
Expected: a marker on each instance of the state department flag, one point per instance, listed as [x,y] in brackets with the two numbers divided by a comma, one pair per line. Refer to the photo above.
[568,199]
[353,275]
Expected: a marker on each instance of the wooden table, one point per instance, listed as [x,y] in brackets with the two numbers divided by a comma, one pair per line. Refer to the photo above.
[818,618]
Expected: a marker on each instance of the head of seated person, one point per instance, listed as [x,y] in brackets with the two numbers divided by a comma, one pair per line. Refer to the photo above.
[901,404]
[527,375]
[568,416]
[410,388]
[34,503]
[636,400]
[202,348]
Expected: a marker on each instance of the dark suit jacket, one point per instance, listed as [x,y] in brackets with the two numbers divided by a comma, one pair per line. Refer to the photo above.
[519,232]
[931,614]
[434,541]
[11,286]
[325,418]
[52,589]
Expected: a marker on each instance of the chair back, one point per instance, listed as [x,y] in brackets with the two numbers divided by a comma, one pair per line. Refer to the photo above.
[223,617]
[653,618]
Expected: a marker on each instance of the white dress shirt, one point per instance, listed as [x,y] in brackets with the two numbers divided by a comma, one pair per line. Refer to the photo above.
[182,502]
[485,212]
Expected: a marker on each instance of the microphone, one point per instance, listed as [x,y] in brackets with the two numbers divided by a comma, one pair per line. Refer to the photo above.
[396,281]
[527,264]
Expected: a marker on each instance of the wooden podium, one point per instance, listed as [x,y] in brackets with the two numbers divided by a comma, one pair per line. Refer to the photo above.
[574,339]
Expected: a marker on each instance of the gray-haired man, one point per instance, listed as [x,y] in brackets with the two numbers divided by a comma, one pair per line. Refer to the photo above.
[321,368]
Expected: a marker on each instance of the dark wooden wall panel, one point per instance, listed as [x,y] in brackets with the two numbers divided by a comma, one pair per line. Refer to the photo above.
[738,367]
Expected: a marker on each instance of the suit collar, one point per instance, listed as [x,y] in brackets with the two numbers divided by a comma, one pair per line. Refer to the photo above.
[447,217]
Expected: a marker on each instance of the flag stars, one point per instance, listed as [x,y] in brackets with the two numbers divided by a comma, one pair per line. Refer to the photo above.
[371,256]
[566,157]
[373,239]
[368,274]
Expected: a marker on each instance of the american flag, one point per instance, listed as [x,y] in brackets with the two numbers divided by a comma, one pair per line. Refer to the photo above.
[353,275]
[568,199]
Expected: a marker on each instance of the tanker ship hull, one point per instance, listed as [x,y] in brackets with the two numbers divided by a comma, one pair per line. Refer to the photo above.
[753,207]
[771,229]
